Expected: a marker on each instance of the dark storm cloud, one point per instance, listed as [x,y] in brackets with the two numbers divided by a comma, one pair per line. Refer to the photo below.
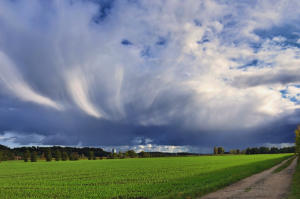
[270,78]
[105,73]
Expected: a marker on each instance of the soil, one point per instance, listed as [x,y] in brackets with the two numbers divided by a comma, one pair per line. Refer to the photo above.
[264,185]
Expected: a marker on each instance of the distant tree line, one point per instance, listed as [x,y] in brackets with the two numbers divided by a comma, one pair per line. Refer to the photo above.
[6,154]
[272,150]
[58,153]
[219,150]
[143,154]
[255,150]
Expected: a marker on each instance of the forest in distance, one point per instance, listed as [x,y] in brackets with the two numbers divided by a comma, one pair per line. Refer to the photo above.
[57,153]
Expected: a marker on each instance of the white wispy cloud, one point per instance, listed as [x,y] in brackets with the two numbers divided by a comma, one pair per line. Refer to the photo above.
[12,80]
[79,91]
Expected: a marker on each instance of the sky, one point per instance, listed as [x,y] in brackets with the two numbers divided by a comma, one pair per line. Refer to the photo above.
[149,75]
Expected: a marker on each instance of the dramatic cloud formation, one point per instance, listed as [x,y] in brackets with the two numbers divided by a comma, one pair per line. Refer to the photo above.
[174,75]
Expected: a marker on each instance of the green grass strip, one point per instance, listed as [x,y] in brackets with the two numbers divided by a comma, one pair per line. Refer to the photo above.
[295,189]
[283,166]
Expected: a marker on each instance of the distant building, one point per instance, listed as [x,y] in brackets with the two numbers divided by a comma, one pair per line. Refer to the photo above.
[114,150]
[18,157]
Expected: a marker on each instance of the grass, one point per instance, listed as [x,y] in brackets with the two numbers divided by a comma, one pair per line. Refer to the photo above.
[295,189]
[175,177]
[283,166]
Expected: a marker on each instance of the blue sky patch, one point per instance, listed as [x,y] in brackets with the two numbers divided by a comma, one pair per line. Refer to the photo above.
[202,41]
[290,35]
[126,42]
[253,63]
[104,10]
[161,41]
[284,93]
[146,52]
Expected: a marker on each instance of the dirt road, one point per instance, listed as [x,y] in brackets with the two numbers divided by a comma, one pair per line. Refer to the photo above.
[264,185]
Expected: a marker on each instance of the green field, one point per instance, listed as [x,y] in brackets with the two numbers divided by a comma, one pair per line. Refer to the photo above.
[128,178]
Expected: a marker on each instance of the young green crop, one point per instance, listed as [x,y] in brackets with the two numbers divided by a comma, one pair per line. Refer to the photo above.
[128,178]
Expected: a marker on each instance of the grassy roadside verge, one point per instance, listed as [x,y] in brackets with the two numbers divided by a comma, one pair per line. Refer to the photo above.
[295,189]
[285,165]
[225,177]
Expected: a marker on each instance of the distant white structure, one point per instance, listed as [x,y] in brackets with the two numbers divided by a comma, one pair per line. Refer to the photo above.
[114,150]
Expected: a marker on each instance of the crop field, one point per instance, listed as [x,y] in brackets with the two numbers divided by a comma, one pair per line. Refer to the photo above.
[174,177]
